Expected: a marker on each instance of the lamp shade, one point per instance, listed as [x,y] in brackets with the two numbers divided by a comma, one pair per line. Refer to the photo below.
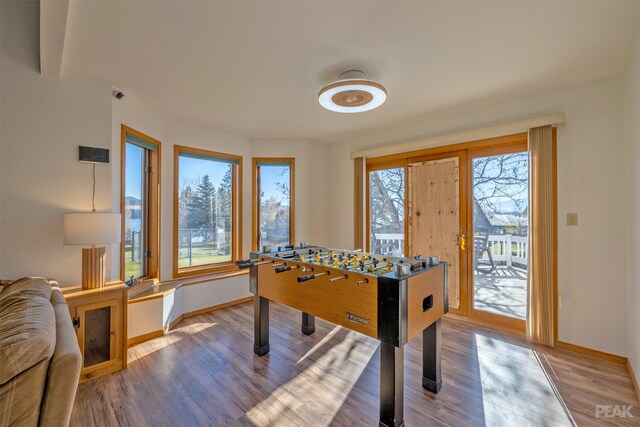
[91,228]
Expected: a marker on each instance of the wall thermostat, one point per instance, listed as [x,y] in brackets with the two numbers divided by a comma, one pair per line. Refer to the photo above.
[94,155]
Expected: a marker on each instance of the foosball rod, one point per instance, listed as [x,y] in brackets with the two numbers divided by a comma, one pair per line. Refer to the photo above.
[312,276]
[286,268]
[246,263]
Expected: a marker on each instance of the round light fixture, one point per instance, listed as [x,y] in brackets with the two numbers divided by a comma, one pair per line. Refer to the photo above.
[352,94]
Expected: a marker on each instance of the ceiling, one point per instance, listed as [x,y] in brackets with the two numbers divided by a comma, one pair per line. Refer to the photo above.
[255,68]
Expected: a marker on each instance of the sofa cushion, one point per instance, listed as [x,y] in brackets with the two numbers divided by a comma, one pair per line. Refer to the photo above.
[64,369]
[21,397]
[36,286]
[27,328]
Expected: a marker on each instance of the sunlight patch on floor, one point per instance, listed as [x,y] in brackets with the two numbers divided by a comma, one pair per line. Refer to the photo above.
[144,349]
[515,388]
[322,342]
[139,351]
[194,328]
[323,385]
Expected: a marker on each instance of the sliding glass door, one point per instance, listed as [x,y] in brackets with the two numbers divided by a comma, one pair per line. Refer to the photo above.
[498,269]
[469,205]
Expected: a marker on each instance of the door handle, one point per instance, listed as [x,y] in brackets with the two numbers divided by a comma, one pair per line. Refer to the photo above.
[462,242]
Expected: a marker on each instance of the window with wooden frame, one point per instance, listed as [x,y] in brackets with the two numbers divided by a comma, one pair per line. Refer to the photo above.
[207,211]
[273,202]
[139,205]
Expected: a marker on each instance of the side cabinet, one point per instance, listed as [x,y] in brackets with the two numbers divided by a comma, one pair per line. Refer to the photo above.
[100,319]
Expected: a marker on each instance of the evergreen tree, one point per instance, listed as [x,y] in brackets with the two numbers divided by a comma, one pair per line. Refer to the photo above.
[201,210]
[185,199]
[224,213]
[224,202]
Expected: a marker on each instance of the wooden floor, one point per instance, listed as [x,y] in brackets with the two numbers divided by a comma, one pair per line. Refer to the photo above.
[204,373]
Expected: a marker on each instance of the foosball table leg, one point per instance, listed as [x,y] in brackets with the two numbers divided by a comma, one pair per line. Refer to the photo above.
[308,323]
[431,371]
[261,325]
[391,385]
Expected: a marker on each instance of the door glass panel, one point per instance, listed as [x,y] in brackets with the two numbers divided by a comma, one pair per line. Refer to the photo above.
[386,207]
[97,336]
[501,234]
[135,205]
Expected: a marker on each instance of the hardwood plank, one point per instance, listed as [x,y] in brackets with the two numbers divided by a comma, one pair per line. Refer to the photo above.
[204,372]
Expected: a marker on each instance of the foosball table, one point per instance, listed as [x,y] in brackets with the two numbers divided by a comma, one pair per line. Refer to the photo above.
[388,298]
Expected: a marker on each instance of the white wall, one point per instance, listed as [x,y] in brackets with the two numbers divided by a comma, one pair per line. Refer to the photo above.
[170,131]
[311,169]
[632,155]
[312,193]
[310,198]
[44,120]
[590,175]
[157,314]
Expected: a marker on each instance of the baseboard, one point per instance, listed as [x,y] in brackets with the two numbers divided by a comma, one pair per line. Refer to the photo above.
[591,352]
[634,380]
[216,307]
[144,337]
[155,334]
[173,323]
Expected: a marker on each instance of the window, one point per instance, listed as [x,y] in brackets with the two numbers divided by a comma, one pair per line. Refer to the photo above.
[140,207]
[207,214]
[386,194]
[273,202]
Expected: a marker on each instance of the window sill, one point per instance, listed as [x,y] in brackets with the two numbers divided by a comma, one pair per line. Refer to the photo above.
[165,288]
[226,267]
[142,286]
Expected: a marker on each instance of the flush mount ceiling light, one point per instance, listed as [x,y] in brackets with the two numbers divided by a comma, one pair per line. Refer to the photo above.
[352,93]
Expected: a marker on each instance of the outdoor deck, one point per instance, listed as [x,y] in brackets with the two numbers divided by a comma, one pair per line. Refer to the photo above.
[503,291]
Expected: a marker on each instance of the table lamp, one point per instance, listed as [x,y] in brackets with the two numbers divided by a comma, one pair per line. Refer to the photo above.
[92,228]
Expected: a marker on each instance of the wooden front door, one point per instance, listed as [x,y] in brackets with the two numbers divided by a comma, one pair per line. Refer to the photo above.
[435,215]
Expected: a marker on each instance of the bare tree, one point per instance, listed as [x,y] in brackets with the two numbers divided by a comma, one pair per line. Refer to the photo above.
[386,196]
[284,186]
[497,178]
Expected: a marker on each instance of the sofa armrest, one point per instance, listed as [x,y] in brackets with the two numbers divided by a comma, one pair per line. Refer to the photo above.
[64,370]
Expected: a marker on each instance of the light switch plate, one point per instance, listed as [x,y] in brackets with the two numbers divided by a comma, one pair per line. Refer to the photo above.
[572,219]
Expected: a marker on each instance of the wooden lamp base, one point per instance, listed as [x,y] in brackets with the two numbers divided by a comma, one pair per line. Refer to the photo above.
[94,267]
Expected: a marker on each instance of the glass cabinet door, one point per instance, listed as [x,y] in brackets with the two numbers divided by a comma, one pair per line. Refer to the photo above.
[97,333]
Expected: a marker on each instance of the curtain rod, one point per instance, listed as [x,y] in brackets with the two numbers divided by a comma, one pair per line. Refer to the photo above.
[465,136]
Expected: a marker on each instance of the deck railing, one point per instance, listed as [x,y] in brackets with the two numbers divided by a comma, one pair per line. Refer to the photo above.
[387,243]
[509,249]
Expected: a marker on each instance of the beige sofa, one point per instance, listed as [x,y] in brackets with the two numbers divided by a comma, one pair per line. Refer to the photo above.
[39,356]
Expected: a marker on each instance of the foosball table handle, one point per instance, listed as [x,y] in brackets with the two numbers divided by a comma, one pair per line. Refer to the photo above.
[283,269]
[242,265]
[305,278]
